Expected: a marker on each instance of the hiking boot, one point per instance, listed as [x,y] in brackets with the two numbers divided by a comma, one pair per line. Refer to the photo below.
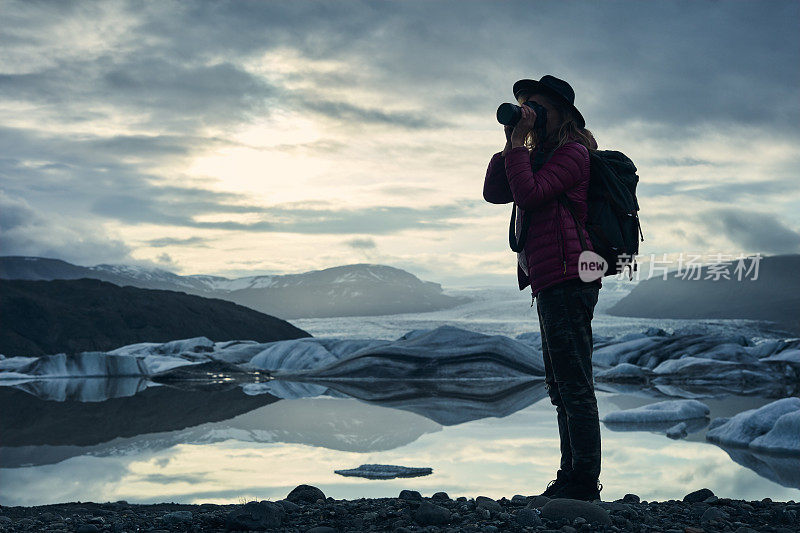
[556,484]
[580,487]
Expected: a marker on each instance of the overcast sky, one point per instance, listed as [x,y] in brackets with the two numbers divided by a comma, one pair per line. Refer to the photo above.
[279,137]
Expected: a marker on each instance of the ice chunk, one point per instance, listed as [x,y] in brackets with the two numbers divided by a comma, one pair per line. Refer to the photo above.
[702,370]
[666,411]
[746,428]
[787,356]
[622,352]
[14,363]
[784,437]
[295,354]
[678,431]
[446,352]
[373,471]
[85,364]
[623,372]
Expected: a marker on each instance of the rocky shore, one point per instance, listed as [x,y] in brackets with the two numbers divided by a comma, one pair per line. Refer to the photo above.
[306,509]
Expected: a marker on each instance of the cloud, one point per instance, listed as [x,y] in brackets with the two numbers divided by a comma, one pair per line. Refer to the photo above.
[176,211]
[361,244]
[106,107]
[762,232]
[727,193]
[169,241]
[25,231]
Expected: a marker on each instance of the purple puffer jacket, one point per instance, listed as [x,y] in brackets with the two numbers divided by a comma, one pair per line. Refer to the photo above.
[552,246]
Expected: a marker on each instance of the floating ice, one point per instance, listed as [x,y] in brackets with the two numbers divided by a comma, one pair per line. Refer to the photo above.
[85,364]
[678,431]
[773,428]
[446,352]
[373,471]
[666,411]
[623,372]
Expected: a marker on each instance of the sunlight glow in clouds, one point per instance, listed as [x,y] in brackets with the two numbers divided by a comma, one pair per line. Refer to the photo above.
[195,121]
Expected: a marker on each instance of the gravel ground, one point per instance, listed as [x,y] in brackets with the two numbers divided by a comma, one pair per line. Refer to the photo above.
[307,510]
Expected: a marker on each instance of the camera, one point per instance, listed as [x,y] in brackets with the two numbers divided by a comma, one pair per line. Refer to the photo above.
[509,114]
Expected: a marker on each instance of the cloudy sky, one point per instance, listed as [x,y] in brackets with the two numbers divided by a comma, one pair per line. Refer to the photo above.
[285,136]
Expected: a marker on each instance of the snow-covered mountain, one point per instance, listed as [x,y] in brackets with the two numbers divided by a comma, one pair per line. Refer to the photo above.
[348,290]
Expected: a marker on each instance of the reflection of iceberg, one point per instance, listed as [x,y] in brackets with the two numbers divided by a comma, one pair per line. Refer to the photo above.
[692,425]
[448,403]
[346,425]
[781,469]
[35,421]
[83,390]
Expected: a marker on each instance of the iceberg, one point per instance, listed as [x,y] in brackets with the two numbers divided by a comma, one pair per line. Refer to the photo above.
[666,411]
[85,364]
[787,356]
[443,353]
[772,428]
[623,372]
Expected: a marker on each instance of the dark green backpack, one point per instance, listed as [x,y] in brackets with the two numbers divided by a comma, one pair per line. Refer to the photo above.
[612,223]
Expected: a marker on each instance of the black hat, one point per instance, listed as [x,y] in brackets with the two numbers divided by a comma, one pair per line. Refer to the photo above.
[551,86]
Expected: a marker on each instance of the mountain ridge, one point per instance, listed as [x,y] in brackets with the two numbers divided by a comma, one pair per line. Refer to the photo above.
[344,290]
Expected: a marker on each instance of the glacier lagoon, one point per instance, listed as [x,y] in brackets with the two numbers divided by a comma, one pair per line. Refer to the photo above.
[131,438]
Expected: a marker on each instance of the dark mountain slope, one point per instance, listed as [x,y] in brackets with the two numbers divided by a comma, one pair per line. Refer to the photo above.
[48,317]
[774,294]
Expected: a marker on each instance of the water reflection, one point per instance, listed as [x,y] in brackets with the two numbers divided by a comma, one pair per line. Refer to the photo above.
[490,437]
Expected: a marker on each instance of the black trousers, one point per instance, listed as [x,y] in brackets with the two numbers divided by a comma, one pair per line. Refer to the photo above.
[565,314]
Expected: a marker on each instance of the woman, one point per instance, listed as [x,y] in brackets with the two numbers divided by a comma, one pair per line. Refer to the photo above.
[549,264]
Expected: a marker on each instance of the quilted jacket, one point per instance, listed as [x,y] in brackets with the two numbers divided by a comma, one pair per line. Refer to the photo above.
[552,246]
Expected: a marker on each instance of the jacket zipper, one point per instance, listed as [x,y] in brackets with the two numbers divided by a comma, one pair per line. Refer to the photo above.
[561,236]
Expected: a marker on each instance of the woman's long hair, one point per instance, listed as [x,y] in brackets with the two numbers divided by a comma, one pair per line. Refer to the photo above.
[569,131]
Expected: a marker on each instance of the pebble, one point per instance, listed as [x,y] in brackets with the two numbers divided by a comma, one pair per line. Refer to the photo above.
[528,517]
[305,494]
[698,496]
[570,509]
[410,495]
[428,514]
[488,503]
[311,512]
[255,515]
[177,517]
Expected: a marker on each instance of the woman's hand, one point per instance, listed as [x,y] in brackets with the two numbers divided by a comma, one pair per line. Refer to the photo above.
[508,130]
[523,127]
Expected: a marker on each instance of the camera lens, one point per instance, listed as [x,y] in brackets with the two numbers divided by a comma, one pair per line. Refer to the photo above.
[509,114]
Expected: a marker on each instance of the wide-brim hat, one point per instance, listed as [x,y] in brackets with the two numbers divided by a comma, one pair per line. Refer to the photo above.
[551,86]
